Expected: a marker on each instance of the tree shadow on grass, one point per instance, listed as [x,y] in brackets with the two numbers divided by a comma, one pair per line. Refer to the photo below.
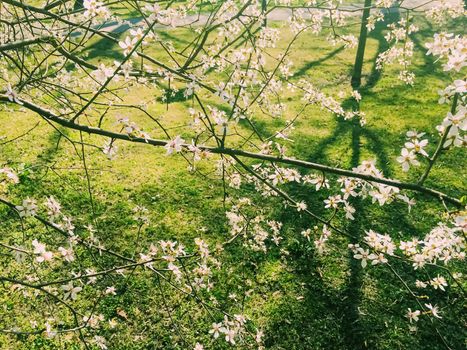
[354,333]
[105,48]
[307,66]
[391,16]
[54,140]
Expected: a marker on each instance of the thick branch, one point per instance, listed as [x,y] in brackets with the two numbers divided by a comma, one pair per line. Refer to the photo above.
[230,151]
[23,43]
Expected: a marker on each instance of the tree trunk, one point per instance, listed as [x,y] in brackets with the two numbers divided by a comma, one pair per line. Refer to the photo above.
[263,10]
[358,66]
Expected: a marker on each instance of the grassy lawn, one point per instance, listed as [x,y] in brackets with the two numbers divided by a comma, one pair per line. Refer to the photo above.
[301,300]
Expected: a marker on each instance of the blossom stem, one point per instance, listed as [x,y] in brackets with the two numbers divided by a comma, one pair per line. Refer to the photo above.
[439,148]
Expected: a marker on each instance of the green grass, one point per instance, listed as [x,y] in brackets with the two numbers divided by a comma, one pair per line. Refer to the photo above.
[303,301]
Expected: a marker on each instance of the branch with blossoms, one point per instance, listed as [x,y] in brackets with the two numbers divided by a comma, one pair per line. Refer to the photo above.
[178,145]
[168,253]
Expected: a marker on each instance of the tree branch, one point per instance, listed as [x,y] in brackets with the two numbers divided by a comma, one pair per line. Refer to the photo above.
[231,151]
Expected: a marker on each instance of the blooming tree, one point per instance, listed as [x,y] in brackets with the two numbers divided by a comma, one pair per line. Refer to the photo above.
[233,72]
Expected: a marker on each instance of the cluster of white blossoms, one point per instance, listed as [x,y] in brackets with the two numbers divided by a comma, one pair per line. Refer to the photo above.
[102,73]
[379,193]
[450,47]
[12,94]
[241,79]
[128,45]
[233,328]
[313,95]
[52,207]
[458,86]
[438,282]
[199,277]
[380,245]
[453,128]
[268,37]
[167,254]
[191,88]
[430,310]
[401,50]
[241,88]
[400,30]
[172,16]
[55,215]
[9,175]
[202,273]
[375,17]
[349,41]
[444,243]
[41,252]
[136,35]
[320,243]
[379,242]
[140,215]
[256,230]
[178,145]
[413,147]
[281,175]
[443,10]
[124,69]
[27,208]
[171,250]
[229,9]
[175,145]
[70,291]
[95,9]
[220,119]
[256,234]
[110,149]
[454,125]
[153,10]
[131,129]
[349,188]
